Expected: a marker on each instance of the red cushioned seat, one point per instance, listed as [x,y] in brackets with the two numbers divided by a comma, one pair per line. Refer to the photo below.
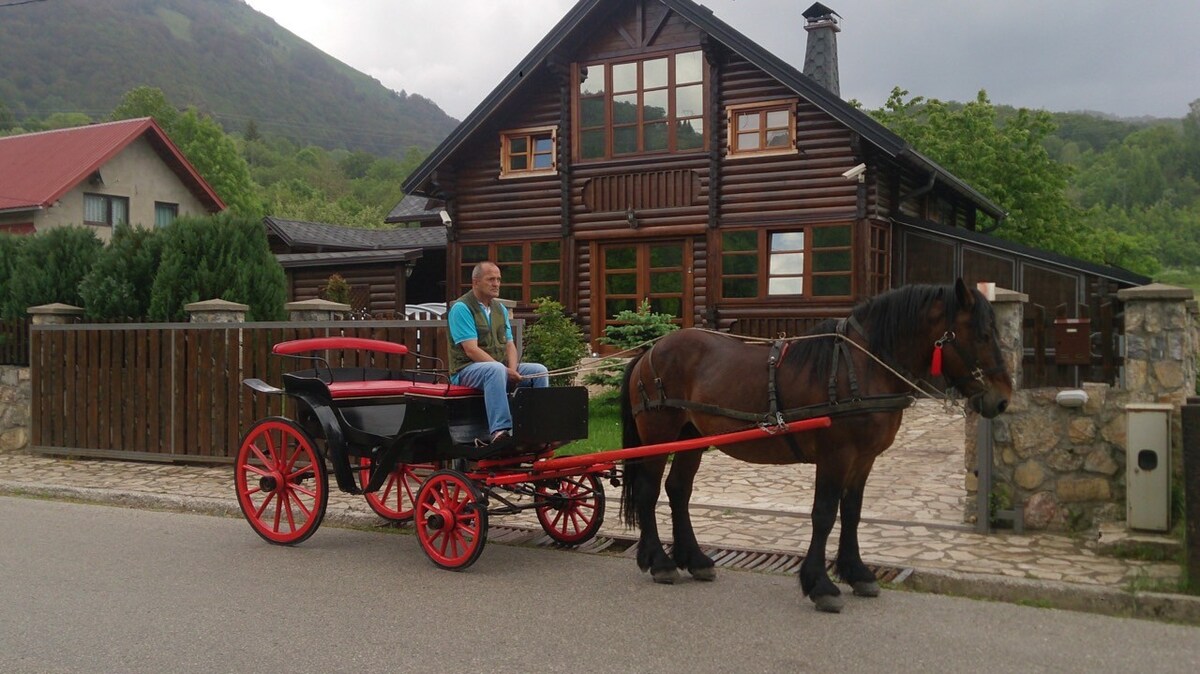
[396,387]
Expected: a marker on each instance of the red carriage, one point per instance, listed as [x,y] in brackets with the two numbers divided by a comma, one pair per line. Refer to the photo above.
[406,441]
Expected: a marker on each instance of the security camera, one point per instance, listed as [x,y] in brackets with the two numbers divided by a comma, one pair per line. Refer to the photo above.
[445,217]
[855,172]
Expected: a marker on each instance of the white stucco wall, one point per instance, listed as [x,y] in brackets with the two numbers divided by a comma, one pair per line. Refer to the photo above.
[137,173]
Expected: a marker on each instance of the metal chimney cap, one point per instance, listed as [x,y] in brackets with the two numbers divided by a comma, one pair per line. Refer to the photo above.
[818,12]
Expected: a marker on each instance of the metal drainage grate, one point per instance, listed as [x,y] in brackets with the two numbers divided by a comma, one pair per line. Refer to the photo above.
[724,558]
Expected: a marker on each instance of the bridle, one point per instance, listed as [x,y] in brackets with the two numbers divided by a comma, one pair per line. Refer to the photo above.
[969,361]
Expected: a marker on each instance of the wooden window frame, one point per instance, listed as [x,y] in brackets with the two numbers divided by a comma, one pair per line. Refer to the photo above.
[763,273]
[530,134]
[165,205]
[762,108]
[603,69]
[529,287]
[108,200]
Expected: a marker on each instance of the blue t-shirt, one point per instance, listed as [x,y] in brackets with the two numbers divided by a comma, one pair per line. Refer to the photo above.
[462,326]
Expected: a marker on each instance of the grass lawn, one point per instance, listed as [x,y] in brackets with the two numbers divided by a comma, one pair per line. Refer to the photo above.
[604,426]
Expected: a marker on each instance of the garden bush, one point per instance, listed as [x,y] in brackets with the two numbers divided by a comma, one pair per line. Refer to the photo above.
[47,268]
[119,284]
[629,330]
[220,257]
[554,340]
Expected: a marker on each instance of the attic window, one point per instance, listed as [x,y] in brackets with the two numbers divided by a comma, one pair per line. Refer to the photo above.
[103,209]
[762,128]
[527,152]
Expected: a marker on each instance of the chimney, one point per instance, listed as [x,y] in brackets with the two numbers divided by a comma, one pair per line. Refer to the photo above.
[820,56]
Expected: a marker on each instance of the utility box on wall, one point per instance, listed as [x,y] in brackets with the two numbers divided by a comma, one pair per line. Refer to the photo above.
[1148,466]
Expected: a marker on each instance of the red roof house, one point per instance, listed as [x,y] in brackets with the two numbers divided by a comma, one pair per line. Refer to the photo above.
[98,175]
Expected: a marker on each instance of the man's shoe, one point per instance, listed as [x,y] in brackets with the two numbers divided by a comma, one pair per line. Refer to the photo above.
[501,436]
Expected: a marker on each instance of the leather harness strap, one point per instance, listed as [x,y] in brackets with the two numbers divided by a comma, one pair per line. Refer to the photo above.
[774,416]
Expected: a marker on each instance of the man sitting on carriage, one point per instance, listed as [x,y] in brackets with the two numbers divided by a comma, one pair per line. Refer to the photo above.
[483,354]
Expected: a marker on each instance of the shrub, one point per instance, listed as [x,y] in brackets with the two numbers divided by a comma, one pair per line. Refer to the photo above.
[336,289]
[630,329]
[554,340]
[49,267]
[10,250]
[220,257]
[119,284]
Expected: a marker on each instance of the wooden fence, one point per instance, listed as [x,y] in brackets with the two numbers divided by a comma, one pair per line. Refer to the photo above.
[14,341]
[174,392]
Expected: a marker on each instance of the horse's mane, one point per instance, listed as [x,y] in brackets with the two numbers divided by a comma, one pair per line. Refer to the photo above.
[891,319]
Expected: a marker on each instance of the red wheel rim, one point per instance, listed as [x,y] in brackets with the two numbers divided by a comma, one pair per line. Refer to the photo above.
[280,481]
[396,498]
[574,508]
[451,526]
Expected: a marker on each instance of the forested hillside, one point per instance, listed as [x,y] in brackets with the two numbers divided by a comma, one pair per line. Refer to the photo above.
[220,56]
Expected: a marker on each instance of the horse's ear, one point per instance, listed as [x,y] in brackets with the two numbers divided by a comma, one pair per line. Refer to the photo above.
[966,298]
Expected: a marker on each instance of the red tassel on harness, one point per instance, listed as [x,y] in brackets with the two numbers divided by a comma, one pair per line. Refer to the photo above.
[936,368]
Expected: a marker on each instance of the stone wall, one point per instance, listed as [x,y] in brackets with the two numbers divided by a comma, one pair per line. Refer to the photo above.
[15,398]
[1065,465]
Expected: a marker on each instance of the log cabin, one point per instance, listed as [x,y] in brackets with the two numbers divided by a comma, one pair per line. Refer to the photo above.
[645,150]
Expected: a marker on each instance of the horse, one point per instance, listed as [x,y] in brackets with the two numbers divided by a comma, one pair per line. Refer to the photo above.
[858,371]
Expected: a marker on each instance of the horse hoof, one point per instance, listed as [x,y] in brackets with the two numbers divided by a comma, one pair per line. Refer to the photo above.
[829,603]
[865,588]
[665,576]
[705,573]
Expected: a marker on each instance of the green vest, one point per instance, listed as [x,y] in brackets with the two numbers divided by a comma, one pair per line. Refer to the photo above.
[492,338]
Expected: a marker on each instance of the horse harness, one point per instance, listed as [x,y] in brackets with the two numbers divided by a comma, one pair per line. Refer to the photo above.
[774,416]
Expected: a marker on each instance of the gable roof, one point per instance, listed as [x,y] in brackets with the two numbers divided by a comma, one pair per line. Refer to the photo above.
[856,120]
[335,237]
[414,208]
[36,169]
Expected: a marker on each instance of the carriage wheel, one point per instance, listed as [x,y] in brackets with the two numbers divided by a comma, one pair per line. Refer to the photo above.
[394,500]
[282,486]
[451,520]
[573,508]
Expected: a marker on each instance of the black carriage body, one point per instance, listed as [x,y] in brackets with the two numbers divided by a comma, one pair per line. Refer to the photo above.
[418,419]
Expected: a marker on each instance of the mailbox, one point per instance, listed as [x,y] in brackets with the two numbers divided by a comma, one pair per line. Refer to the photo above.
[1072,341]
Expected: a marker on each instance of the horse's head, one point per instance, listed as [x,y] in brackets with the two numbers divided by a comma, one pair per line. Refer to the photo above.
[971,358]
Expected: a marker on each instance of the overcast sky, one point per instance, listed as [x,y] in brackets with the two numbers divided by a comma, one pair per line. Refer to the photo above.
[1112,56]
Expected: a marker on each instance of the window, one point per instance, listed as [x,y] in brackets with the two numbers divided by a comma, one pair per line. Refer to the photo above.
[641,107]
[103,209]
[809,261]
[763,128]
[527,152]
[165,213]
[527,270]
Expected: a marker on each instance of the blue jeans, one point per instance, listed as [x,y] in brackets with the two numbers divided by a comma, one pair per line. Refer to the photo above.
[492,379]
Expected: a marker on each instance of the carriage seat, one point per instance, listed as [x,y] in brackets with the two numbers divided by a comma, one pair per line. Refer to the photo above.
[398,387]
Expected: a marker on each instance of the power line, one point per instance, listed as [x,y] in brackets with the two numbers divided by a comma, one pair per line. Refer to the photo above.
[19,2]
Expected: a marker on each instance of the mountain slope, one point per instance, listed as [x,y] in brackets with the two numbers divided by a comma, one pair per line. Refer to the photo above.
[221,56]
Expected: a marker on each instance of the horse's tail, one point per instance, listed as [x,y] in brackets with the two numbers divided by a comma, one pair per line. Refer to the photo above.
[629,438]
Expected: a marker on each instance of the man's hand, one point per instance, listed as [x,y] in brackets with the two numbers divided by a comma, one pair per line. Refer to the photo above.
[514,377]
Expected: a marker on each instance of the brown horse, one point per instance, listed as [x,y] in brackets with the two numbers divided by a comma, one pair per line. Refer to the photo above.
[694,383]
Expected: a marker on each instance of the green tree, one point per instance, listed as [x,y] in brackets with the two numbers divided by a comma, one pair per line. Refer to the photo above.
[216,157]
[11,246]
[119,284]
[146,102]
[225,256]
[49,267]
[1007,163]
[554,340]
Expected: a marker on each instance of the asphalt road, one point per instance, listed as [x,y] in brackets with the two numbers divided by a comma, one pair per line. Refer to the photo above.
[86,588]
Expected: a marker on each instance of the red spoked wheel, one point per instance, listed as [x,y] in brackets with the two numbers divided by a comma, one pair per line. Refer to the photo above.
[572,508]
[282,486]
[394,500]
[451,520]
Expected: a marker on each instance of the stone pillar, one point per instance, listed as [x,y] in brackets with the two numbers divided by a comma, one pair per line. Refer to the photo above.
[316,310]
[55,314]
[216,311]
[1010,315]
[1160,346]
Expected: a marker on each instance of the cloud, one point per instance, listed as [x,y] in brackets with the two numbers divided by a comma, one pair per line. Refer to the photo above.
[1064,55]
